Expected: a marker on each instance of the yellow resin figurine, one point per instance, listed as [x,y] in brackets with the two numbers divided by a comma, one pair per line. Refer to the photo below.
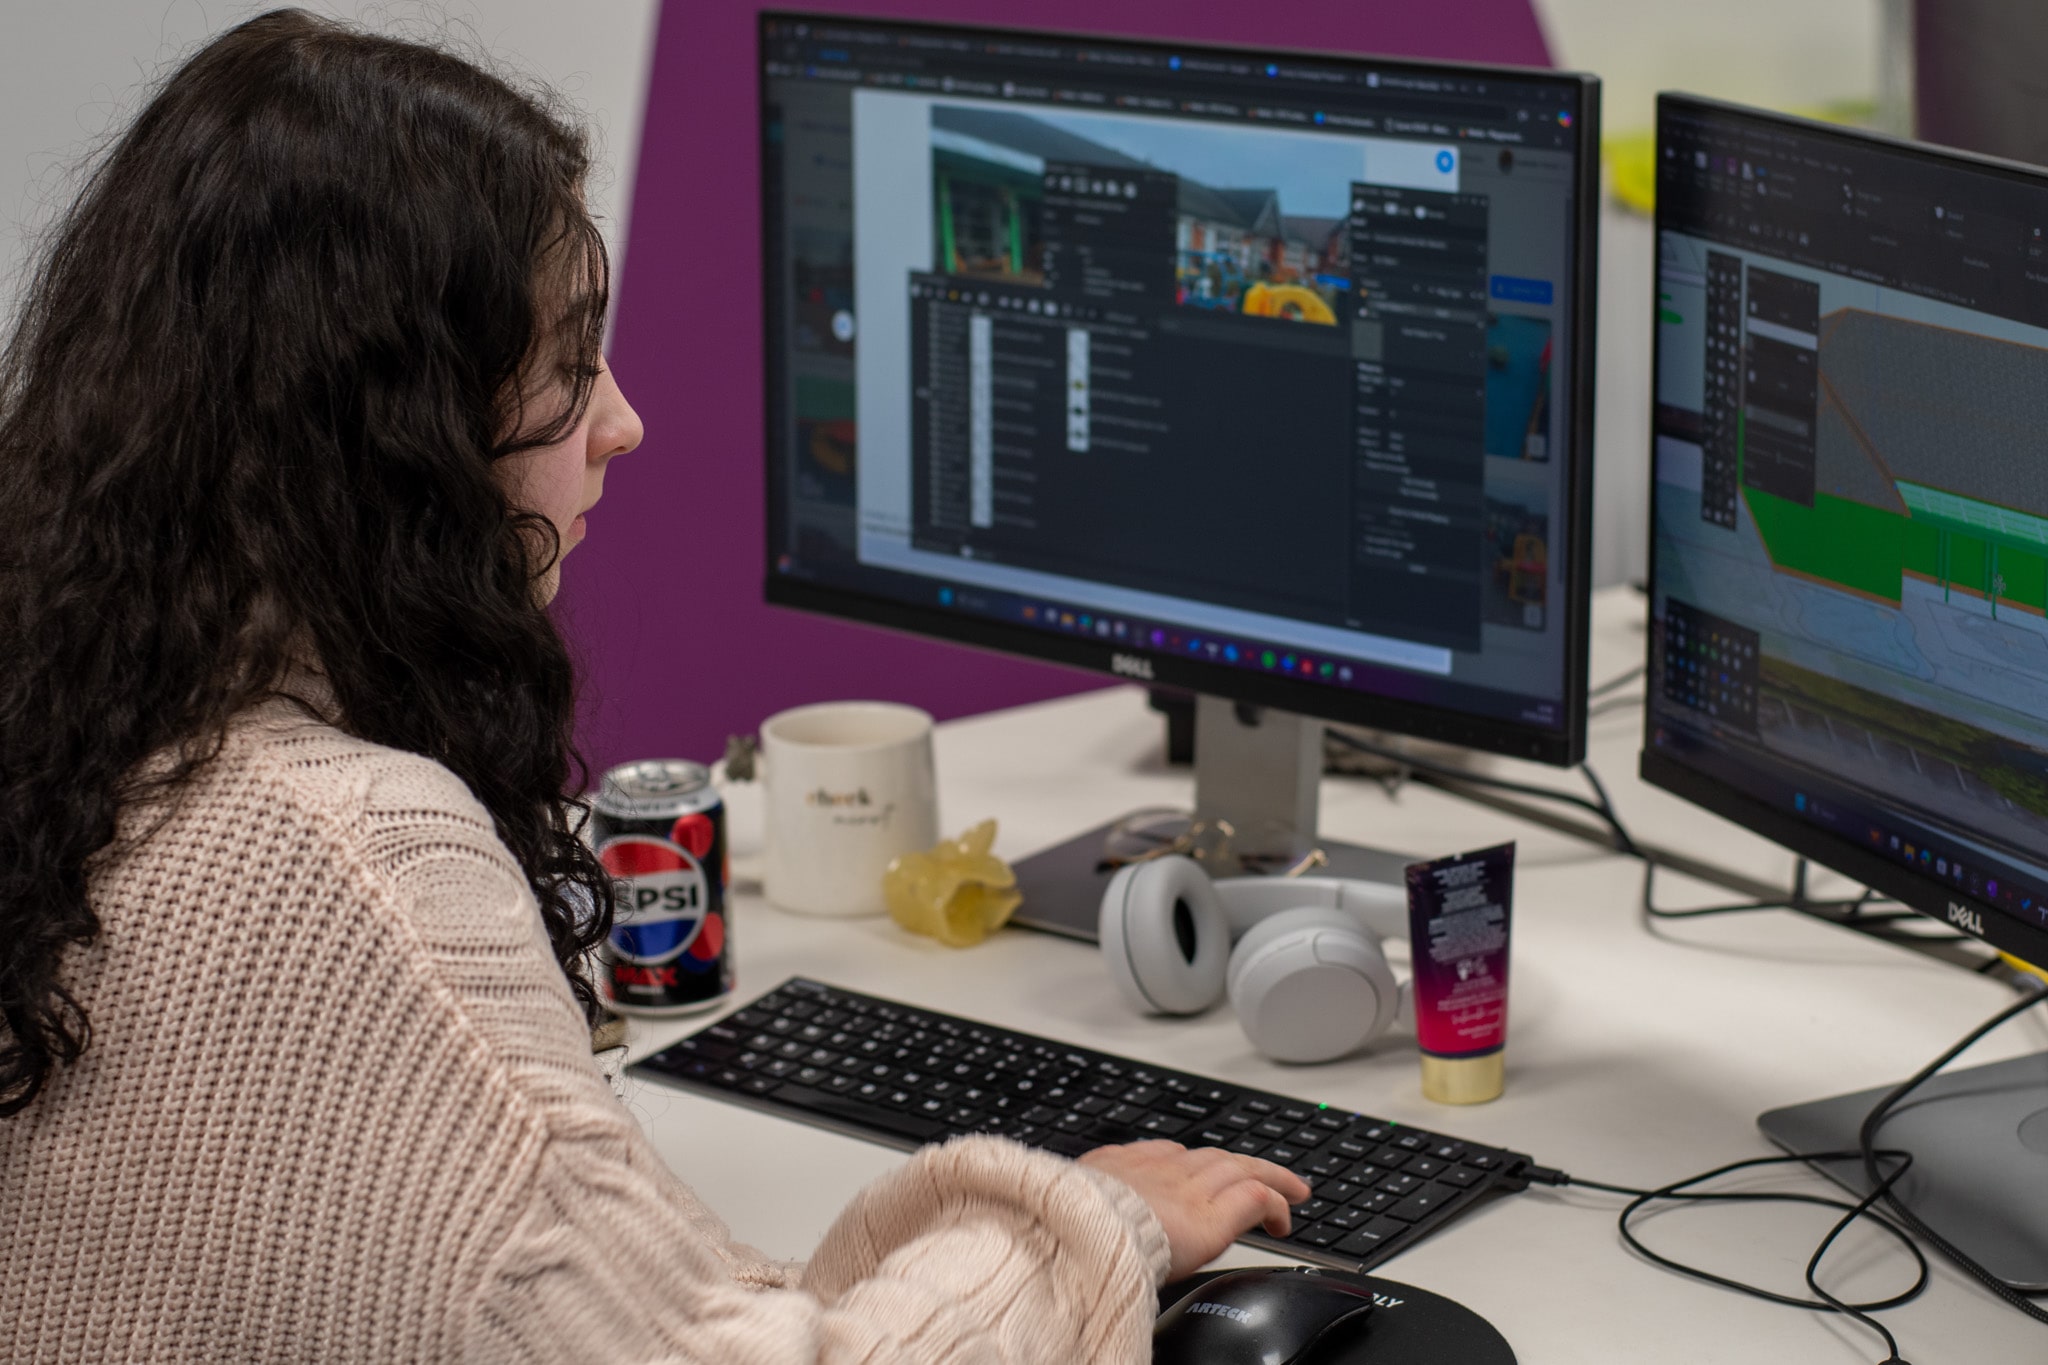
[956,891]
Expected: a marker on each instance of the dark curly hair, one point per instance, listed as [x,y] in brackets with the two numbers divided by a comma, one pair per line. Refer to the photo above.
[248,417]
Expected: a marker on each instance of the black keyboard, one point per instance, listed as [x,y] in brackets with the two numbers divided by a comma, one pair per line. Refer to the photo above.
[904,1076]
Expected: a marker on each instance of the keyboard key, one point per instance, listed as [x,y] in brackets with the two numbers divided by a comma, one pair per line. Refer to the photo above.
[1312,1211]
[1321,1235]
[1422,1203]
[1461,1177]
[1348,1218]
[1272,1128]
[1425,1167]
[1368,1240]
[1399,1184]
[1249,1145]
[1283,1154]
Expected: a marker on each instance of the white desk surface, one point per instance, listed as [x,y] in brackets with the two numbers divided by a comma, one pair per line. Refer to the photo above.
[1634,1057]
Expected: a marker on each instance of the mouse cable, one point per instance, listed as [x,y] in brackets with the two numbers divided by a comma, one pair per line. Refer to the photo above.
[1866,1150]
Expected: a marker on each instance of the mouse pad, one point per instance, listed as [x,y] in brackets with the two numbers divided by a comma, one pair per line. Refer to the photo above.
[1408,1326]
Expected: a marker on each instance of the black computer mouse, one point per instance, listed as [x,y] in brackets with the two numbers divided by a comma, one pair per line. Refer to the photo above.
[1260,1317]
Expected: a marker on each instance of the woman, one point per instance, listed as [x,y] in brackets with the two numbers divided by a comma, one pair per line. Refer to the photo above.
[301,414]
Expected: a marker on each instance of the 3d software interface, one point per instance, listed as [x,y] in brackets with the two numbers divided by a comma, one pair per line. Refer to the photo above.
[1851,556]
[1250,359]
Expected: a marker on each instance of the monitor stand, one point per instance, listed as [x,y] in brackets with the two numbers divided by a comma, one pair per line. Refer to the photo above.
[1979,1140]
[1256,768]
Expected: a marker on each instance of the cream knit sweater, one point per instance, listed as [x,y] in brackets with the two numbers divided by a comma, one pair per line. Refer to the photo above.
[339,1105]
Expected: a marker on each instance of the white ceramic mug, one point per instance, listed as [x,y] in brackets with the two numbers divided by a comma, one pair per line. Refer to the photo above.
[848,786]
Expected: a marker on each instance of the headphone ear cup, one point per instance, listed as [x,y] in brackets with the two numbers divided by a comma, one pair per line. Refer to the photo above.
[1163,936]
[1311,985]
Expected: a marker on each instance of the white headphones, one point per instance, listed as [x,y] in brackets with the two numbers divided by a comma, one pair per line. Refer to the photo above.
[1308,978]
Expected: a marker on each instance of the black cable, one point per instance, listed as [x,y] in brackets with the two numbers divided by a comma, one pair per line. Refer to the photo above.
[1626,703]
[1651,909]
[1602,808]
[1677,1192]
[1616,683]
[1849,914]
[1882,1190]
[1607,812]
[1867,1135]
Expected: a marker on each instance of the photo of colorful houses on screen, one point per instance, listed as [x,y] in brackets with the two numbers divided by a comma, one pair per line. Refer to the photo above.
[1241,245]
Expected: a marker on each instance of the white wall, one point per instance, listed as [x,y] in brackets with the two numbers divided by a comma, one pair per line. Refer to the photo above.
[71,73]
[1784,54]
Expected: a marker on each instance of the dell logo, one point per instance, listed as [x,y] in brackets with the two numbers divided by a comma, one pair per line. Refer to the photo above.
[1131,666]
[1965,918]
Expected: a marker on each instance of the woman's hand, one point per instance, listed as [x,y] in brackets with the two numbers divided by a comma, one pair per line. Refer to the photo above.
[1203,1198]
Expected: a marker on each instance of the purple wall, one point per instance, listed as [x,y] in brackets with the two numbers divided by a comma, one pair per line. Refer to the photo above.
[663,601]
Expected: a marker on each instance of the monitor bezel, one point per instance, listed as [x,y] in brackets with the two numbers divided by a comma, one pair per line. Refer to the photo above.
[1939,900]
[1562,745]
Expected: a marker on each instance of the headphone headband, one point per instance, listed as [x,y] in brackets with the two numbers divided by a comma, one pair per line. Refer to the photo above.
[1378,906]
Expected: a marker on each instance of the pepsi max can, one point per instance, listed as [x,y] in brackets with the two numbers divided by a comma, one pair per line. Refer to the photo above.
[659,829]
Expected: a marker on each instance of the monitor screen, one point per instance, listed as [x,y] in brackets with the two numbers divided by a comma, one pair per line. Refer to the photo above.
[1261,373]
[1850,558]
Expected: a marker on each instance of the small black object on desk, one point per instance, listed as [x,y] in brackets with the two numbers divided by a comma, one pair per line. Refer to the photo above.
[1298,1315]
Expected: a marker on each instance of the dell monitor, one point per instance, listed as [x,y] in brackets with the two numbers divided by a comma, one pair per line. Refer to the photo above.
[1266,375]
[1849,568]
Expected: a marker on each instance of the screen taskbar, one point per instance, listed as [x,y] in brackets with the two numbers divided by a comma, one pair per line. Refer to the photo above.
[1144,637]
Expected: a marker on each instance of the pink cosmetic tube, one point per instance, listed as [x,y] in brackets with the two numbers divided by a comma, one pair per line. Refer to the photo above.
[1458,926]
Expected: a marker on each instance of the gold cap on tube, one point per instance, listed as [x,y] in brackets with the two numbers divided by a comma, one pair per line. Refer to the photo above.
[1464,1080]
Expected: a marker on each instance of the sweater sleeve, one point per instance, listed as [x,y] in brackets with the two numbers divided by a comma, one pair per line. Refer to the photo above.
[977,1251]
[980,1250]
